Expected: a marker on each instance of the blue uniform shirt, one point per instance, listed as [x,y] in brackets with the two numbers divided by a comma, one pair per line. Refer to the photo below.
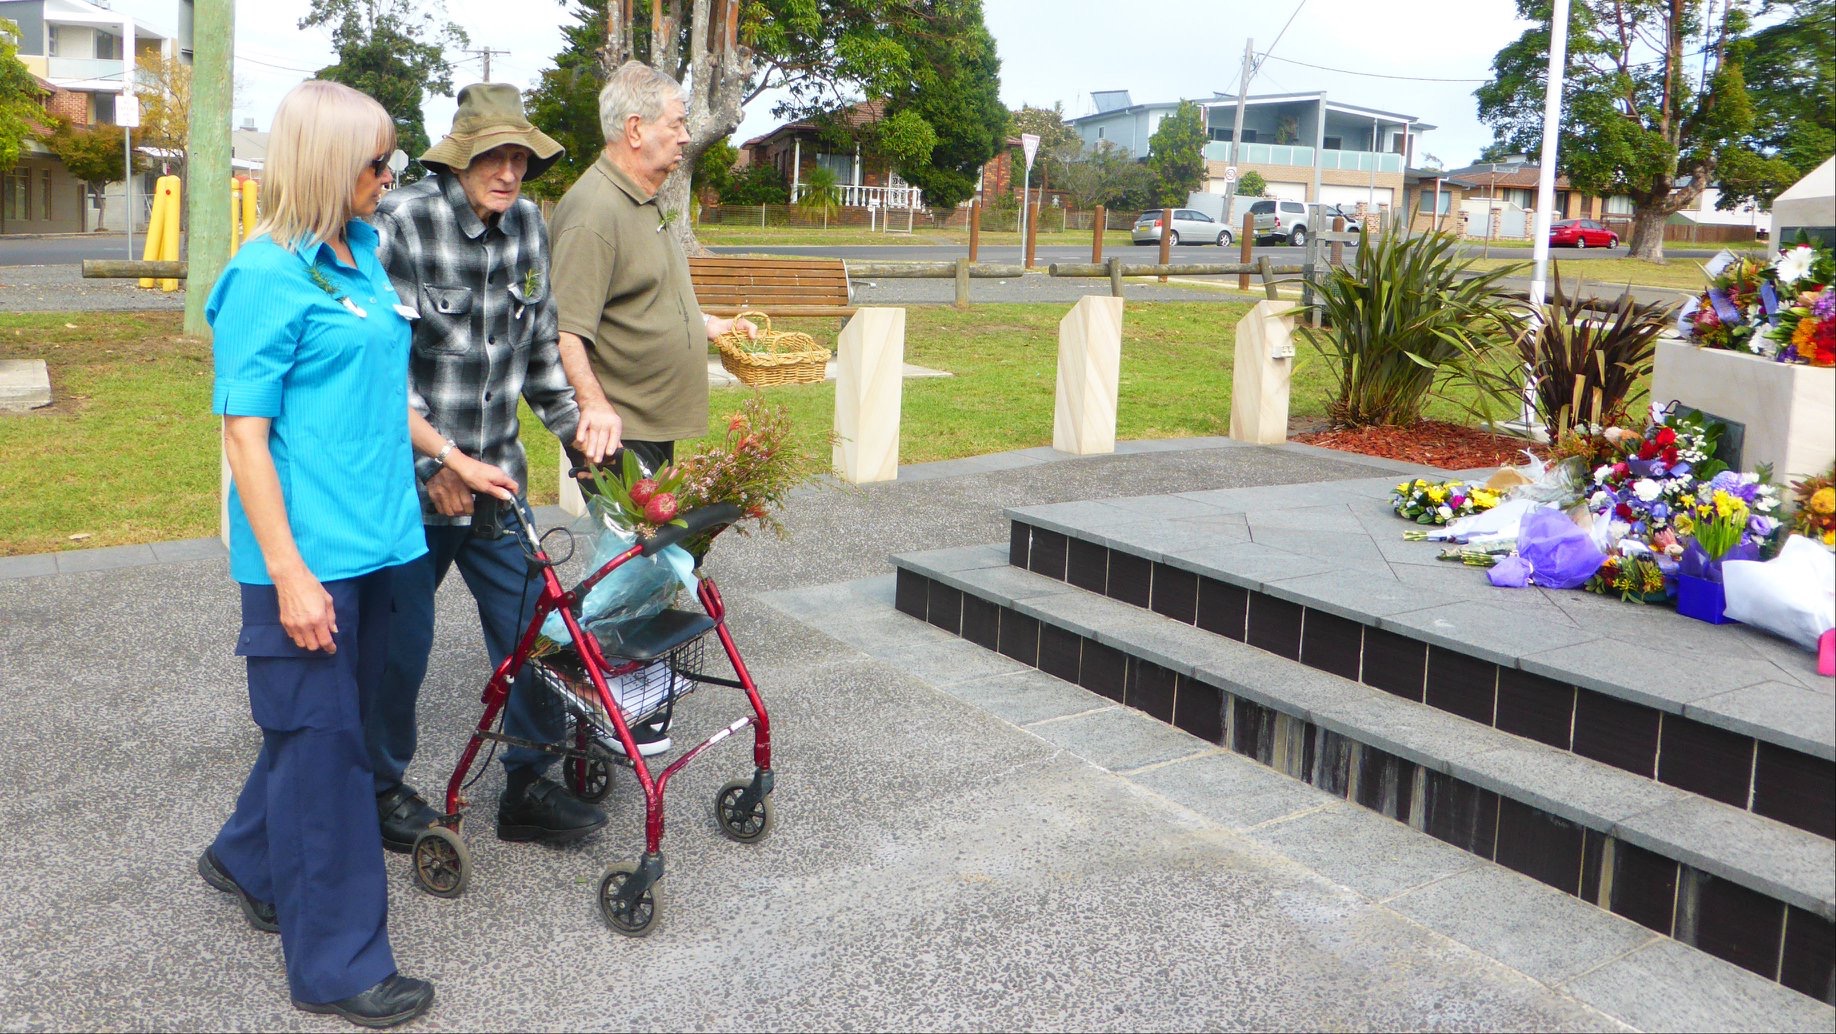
[335,385]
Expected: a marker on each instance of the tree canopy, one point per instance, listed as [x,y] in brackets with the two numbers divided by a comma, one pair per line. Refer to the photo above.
[1108,176]
[1790,71]
[932,62]
[565,103]
[21,115]
[1654,99]
[393,50]
[164,85]
[1176,154]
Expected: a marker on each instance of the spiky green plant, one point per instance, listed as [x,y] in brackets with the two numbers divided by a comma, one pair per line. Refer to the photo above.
[1405,312]
[1582,364]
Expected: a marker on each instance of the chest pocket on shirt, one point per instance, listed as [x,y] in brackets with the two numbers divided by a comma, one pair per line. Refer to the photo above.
[446,315]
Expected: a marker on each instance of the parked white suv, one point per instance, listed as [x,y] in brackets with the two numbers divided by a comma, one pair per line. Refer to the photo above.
[1282,220]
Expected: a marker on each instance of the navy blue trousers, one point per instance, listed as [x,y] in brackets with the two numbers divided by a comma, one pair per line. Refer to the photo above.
[304,834]
[497,573]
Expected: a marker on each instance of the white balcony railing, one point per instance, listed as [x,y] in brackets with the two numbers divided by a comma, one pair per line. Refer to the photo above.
[1296,155]
[68,68]
[853,196]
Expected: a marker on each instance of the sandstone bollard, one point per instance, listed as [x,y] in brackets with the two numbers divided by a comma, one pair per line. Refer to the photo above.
[1089,372]
[869,382]
[1260,378]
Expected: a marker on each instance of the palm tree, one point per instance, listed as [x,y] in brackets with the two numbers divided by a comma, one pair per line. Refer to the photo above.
[820,193]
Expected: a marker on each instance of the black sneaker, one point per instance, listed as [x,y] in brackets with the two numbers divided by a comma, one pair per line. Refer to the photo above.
[546,812]
[405,815]
[260,914]
[396,999]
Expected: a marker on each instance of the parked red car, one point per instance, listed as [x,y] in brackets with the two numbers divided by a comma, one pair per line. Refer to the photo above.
[1581,233]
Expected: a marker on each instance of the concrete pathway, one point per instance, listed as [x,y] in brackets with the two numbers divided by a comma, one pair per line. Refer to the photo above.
[957,846]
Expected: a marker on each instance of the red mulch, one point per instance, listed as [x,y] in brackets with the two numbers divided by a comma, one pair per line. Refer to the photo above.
[1434,443]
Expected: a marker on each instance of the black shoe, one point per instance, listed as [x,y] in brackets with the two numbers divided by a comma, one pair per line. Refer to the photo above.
[260,914]
[405,815]
[397,999]
[544,811]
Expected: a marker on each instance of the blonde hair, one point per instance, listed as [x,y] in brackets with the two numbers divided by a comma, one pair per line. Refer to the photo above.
[324,133]
[634,88]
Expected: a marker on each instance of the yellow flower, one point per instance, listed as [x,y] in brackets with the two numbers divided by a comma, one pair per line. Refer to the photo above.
[1437,494]
[1688,500]
[1684,524]
[1829,537]
[1484,499]
[1823,500]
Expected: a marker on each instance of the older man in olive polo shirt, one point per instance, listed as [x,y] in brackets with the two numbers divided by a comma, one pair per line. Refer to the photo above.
[634,341]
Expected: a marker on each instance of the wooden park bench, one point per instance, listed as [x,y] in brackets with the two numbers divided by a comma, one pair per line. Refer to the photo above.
[727,286]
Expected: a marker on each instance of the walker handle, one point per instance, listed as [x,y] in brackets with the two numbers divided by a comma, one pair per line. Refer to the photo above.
[697,520]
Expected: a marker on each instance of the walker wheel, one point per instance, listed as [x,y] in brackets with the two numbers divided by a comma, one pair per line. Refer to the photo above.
[441,862]
[633,920]
[589,778]
[744,825]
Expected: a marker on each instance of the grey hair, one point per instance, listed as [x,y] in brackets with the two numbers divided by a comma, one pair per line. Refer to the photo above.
[634,88]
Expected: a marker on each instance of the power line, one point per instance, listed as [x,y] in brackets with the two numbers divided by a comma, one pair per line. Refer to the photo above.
[270,64]
[1284,30]
[1370,75]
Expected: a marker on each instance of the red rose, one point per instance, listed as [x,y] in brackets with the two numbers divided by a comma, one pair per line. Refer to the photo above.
[1620,470]
[1623,512]
[1647,450]
[1666,436]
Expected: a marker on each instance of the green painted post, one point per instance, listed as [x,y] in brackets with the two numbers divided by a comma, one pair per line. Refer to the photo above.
[207,237]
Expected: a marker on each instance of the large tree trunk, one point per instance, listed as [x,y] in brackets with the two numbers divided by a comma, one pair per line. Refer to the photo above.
[716,68]
[1652,211]
[1648,233]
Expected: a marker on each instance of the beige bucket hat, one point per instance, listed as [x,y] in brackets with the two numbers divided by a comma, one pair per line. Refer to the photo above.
[491,115]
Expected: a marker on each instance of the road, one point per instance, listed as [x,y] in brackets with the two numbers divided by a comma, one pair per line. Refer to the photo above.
[56,251]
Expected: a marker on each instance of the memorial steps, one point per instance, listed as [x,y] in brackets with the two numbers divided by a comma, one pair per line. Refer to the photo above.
[1682,776]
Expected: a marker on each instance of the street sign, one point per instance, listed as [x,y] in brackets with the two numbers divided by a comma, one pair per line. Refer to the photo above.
[1230,172]
[127,111]
[1030,143]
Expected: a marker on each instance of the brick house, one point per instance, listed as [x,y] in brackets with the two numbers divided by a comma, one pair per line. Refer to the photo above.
[795,148]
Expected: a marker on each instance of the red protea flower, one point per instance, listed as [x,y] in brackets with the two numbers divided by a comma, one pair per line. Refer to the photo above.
[661,509]
[642,491]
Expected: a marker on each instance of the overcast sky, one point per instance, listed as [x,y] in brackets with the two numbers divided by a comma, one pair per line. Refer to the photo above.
[1052,51]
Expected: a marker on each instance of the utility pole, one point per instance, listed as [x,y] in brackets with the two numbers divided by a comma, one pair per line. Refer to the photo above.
[1243,81]
[486,53]
[207,155]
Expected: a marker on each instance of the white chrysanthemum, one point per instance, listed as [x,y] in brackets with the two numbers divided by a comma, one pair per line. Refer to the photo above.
[1602,472]
[1600,500]
[1794,264]
[1618,529]
[1646,489]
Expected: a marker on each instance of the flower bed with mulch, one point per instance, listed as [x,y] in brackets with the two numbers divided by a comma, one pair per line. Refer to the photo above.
[1435,443]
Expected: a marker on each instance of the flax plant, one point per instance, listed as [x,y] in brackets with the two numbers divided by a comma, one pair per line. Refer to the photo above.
[1582,365]
[1407,312]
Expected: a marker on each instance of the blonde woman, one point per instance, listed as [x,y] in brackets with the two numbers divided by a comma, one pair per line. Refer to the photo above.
[311,352]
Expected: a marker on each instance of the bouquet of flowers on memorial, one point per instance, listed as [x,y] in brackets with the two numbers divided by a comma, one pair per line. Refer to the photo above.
[754,466]
[1815,517]
[1428,502]
[1784,310]
[1642,489]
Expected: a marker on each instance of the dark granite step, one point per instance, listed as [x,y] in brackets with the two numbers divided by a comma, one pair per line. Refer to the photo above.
[1735,884]
[1320,574]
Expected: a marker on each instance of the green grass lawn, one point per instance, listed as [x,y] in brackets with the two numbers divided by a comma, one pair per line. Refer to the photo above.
[740,235]
[129,451]
[1603,274]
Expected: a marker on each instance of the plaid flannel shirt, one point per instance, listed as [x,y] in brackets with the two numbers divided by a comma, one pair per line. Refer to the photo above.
[487,331]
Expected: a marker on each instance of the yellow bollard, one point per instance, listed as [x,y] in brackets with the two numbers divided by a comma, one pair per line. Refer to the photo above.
[155,229]
[251,212]
[169,236]
[235,217]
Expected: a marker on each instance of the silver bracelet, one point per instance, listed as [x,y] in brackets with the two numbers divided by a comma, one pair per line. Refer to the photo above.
[440,458]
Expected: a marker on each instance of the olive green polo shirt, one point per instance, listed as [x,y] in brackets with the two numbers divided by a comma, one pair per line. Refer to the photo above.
[622,284]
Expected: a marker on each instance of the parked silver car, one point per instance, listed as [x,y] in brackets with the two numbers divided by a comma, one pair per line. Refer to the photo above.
[1281,220]
[1189,227]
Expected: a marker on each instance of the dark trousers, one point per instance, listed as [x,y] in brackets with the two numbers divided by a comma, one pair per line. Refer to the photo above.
[498,575]
[304,834]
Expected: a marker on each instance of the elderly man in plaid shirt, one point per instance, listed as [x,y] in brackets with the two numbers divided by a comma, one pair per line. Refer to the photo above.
[471,255]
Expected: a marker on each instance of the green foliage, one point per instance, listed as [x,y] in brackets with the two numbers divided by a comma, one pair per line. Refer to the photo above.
[1059,144]
[1251,184]
[1176,154]
[91,153]
[1790,70]
[1405,312]
[394,51]
[714,169]
[1105,176]
[565,103]
[821,193]
[1583,365]
[953,84]
[756,185]
[1653,99]
[904,139]
[20,113]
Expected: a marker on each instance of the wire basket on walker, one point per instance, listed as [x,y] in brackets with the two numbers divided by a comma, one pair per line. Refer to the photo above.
[607,677]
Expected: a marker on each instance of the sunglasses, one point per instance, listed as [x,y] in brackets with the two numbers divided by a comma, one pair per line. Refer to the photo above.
[393,162]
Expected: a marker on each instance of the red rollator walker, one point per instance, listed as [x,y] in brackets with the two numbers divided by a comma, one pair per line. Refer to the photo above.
[604,693]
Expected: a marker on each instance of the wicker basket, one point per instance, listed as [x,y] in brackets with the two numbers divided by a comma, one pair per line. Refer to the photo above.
[776,357]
